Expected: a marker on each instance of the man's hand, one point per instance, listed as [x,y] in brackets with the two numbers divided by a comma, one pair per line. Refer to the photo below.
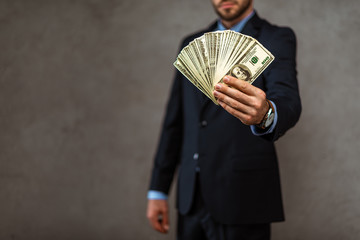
[158,215]
[242,100]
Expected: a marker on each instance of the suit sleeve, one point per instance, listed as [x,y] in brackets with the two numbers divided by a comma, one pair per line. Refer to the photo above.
[281,84]
[169,147]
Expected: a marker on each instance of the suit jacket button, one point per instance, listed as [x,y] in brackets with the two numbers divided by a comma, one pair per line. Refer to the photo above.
[203,123]
[196,156]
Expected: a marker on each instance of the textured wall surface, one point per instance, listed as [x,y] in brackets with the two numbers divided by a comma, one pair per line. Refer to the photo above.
[83,85]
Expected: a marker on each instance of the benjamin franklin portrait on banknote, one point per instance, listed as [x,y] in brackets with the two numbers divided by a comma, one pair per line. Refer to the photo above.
[241,72]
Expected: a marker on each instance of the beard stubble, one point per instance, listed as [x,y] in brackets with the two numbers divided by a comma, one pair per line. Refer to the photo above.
[227,15]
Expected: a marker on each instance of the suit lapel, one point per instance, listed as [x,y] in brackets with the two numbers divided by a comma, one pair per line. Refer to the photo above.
[252,27]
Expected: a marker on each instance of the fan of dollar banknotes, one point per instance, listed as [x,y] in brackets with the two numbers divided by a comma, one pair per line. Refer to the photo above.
[207,59]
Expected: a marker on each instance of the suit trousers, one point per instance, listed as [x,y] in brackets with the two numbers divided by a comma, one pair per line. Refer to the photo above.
[199,225]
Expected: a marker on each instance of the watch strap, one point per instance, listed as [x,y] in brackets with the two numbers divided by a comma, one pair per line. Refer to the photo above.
[271,110]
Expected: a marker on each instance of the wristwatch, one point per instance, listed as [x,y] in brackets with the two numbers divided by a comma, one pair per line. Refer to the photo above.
[268,118]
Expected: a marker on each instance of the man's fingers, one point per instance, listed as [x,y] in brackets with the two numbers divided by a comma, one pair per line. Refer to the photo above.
[156,224]
[165,221]
[244,118]
[241,85]
[233,93]
[157,214]
[232,101]
[241,99]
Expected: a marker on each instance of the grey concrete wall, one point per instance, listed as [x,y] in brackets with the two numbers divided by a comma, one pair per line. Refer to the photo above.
[83,85]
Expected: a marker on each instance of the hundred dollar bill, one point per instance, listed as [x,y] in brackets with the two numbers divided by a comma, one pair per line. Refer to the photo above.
[207,59]
[252,63]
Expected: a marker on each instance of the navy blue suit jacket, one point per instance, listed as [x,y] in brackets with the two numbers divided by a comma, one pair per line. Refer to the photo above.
[239,174]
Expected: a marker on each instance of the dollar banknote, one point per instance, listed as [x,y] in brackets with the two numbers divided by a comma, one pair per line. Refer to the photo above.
[207,59]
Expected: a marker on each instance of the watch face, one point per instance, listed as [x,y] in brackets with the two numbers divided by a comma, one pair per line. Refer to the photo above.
[269,120]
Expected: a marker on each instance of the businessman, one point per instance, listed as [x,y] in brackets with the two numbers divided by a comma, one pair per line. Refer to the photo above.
[228,184]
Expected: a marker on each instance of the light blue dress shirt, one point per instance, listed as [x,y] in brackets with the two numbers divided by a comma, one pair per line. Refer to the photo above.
[153,194]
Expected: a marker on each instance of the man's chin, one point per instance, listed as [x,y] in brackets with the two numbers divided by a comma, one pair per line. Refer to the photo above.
[228,17]
[228,14]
